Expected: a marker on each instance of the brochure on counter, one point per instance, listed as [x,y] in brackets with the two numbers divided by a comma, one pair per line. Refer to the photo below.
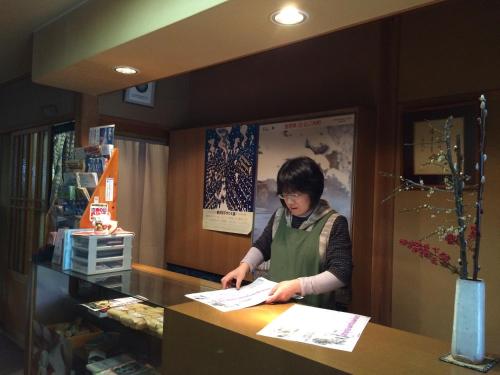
[235,299]
[311,325]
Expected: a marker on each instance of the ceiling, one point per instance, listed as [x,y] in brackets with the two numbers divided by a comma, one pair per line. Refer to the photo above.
[18,20]
[74,44]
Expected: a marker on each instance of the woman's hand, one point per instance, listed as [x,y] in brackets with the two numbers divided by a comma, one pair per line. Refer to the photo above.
[283,291]
[237,274]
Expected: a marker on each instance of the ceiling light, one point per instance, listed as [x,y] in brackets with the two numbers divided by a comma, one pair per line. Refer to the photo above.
[289,16]
[126,70]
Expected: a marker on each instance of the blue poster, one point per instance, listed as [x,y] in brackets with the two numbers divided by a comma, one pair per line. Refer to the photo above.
[230,171]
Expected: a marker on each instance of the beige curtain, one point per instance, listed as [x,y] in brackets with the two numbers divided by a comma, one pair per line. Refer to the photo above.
[142,197]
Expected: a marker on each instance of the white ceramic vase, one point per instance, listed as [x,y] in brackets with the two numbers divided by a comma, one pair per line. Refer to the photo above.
[467,343]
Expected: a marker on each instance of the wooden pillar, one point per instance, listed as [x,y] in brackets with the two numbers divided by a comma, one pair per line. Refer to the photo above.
[87,116]
[386,160]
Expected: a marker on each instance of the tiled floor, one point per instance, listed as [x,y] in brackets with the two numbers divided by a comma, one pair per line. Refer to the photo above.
[11,357]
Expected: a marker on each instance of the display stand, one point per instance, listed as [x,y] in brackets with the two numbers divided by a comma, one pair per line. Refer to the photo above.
[107,188]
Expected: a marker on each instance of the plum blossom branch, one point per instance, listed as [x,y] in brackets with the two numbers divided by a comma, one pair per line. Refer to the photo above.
[433,254]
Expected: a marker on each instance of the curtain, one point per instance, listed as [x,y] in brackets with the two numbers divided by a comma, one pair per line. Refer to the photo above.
[142,196]
[63,148]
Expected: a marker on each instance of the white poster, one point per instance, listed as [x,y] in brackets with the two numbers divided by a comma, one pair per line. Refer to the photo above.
[327,140]
[311,325]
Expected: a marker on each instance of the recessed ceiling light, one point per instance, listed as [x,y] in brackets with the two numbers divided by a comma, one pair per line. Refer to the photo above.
[126,70]
[289,16]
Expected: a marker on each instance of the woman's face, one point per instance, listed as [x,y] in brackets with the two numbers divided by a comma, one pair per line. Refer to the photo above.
[298,203]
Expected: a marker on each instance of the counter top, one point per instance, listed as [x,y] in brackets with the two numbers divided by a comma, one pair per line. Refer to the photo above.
[160,287]
[380,350]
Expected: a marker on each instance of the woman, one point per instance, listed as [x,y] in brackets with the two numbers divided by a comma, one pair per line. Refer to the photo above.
[307,241]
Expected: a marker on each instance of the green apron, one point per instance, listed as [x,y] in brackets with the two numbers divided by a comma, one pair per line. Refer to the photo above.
[295,253]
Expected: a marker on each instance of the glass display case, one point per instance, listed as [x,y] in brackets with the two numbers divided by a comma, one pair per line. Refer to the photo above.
[196,339]
[65,336]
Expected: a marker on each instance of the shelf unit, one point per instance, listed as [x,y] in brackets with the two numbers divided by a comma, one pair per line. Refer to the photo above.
[108,181]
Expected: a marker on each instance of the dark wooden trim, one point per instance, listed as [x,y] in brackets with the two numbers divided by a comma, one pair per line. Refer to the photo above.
[362,211]
[279,119]
[16,79]
[30,310]
[386,160]
[442,101]
[31,128]
[136,129]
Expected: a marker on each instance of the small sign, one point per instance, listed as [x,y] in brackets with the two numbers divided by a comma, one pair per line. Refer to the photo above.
[109,189]
[98,209]
[102,135]
[58,247]
[143,94]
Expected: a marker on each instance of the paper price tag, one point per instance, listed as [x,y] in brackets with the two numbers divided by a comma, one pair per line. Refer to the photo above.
[109,189]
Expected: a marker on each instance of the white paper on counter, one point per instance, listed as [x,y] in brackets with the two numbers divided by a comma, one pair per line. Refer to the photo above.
[235,299]
[312,325]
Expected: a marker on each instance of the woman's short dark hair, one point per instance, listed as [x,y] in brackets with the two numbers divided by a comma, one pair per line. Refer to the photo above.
[303,175]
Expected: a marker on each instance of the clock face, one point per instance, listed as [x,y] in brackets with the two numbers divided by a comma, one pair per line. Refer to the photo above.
[142,88]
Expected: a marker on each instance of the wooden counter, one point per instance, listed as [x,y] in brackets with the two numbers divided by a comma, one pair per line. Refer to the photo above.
[199,339]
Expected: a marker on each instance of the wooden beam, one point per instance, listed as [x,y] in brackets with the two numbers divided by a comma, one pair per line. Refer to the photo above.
[136,129]
[87,116]
[386,160]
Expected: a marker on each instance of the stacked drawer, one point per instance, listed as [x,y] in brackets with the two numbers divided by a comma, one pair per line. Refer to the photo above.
[94,254]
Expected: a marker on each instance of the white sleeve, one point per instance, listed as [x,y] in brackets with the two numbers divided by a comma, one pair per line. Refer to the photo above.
[321,283]
[253,258]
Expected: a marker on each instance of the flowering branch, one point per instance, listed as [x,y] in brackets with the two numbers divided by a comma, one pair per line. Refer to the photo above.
[407,185]
[458,182]
[433,254]
[452,162]
[482,179]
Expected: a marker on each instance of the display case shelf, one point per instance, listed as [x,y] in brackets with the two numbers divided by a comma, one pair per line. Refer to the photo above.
[56,298]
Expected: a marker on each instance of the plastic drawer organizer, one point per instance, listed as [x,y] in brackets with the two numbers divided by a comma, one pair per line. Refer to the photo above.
[94,254]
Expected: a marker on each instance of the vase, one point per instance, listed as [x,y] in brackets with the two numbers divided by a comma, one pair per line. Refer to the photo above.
[467,344]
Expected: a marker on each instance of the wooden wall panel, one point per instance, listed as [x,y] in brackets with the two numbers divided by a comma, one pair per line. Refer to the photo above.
[187,244]
[455,67]
[309,77]
[337,70]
